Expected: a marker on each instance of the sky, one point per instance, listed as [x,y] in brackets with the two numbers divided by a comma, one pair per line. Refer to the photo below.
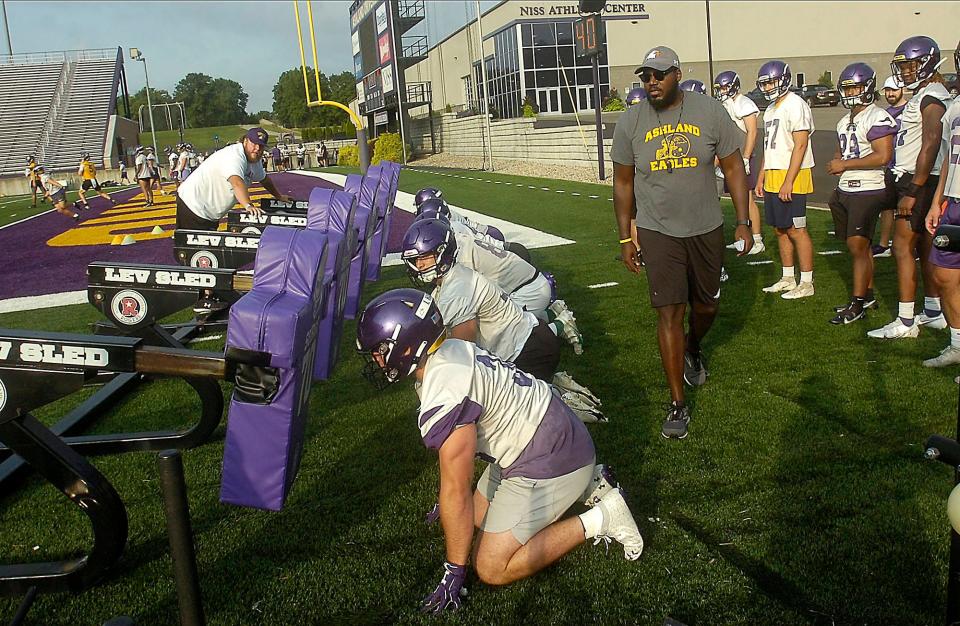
[249,42]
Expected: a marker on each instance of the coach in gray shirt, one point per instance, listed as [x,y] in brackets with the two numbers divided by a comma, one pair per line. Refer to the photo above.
[664,149]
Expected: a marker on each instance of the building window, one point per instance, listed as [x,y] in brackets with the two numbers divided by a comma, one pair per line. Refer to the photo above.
[468,98]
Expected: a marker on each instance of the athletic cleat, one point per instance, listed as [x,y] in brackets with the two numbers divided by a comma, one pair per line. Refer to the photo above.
[758,248]
[895,330]
[803,290]
[937,322]
[205,307]
[849,314]
[694,369]
[619,525]
[948,356]
[784,284]
[76,217]
[870,302]
[675,426]
[879,251]
[604,480]
[724,277]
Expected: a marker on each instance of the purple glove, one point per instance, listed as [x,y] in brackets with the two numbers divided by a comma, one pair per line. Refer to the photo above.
[448,592]
[434,514]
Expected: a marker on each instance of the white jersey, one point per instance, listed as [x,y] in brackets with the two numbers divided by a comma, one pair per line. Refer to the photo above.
[910,137]
[301,152]
[183,161]
[208,192]
[459,228]
[174,157]
[950,149]
[464,384]
[142,166]
[780,121]
[464,295]
[738,108]
[477,227]
[855,136]
[505,269]
[50,183]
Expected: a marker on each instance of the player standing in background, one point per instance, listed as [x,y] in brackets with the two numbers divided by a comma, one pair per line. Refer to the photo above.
[945,209]
[744,113]
[866,146]
[917,171]
[88,172]
[896,100]
[183,165]
[155,181]
[173,155]
[144,175]
[301,156]
[56,192]
[541,459]
[123,170]
[784,178]
[35,185]
[276,157]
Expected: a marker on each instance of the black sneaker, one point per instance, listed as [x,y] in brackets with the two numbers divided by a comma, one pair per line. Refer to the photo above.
[850,314]
[694,369]
[869,302]
[205,307]
[675,426]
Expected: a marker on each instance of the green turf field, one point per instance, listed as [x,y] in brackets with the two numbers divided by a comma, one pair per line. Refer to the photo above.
[800,496]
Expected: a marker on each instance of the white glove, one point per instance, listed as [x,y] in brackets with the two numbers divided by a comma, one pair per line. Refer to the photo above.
[718,172]
[746,165]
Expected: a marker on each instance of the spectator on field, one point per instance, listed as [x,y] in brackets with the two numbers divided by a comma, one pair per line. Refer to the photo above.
[123,171]
[896,99]
[323,154]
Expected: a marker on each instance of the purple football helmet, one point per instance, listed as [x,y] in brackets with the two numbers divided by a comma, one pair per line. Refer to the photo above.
[777,73]
[694,85]
[434,204]
[394,333]
[919,56]
[857,75]
[636,95]
[425,194]
[431,214]
[428,238]
[726,85]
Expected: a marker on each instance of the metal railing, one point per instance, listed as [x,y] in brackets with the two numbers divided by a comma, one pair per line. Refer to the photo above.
[62,56]
[411,9]
[419,93]
[413,46]
[56,106]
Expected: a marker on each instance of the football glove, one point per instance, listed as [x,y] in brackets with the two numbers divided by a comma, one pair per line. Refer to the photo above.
[448,593]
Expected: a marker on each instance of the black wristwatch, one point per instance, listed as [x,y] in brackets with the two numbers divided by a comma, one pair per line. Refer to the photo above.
[745,222]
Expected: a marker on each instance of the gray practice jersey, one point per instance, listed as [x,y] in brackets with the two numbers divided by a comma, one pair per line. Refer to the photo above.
[520,426]
[672,153]
[855,136]
[505,269]
[910,138]
[464,295]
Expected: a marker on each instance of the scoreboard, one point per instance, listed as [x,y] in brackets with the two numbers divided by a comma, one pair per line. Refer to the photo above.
[589,35]
[374,56]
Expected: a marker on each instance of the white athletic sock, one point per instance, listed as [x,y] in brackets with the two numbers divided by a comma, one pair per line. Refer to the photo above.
[931,304]
[788,272]
[592,522]
[758,237]
[955,337]
[905,310]
[806,277]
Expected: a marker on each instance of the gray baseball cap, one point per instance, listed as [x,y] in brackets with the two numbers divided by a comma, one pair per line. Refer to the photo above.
[660,58]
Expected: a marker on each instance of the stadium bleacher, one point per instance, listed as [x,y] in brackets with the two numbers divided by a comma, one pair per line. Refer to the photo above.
[56,106]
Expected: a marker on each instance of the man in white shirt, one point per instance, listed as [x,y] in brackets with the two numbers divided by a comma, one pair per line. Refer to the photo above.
[541,459]
[144,175]
[301,156]
[223,181]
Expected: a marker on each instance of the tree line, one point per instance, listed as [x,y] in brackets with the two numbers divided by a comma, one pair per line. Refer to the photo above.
[212,101]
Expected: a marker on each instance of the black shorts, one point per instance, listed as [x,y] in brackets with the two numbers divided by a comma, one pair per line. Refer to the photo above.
[682,269]
[855,213]
[541,354]
[189,220]
[89,183]
[923,199]
[58,196]
[780,214]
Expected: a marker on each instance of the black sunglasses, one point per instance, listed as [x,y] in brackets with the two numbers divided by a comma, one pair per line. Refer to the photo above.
[648,74]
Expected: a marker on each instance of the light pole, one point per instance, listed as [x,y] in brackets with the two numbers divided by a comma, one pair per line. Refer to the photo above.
[6,25]
[137,56]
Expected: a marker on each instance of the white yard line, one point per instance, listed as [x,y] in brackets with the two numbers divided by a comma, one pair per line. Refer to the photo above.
[29,303]
[602,285]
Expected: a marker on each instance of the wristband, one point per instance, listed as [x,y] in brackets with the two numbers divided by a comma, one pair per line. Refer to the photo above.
[912,190]
[626,240]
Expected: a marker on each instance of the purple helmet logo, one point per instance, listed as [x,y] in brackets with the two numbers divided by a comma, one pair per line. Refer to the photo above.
[694,85]
[434,204]
[726,85]
[394,333]
[425,194]
[857,85]
[432,214]
[916,60]
[636,95]
[425,239]
[775,73]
